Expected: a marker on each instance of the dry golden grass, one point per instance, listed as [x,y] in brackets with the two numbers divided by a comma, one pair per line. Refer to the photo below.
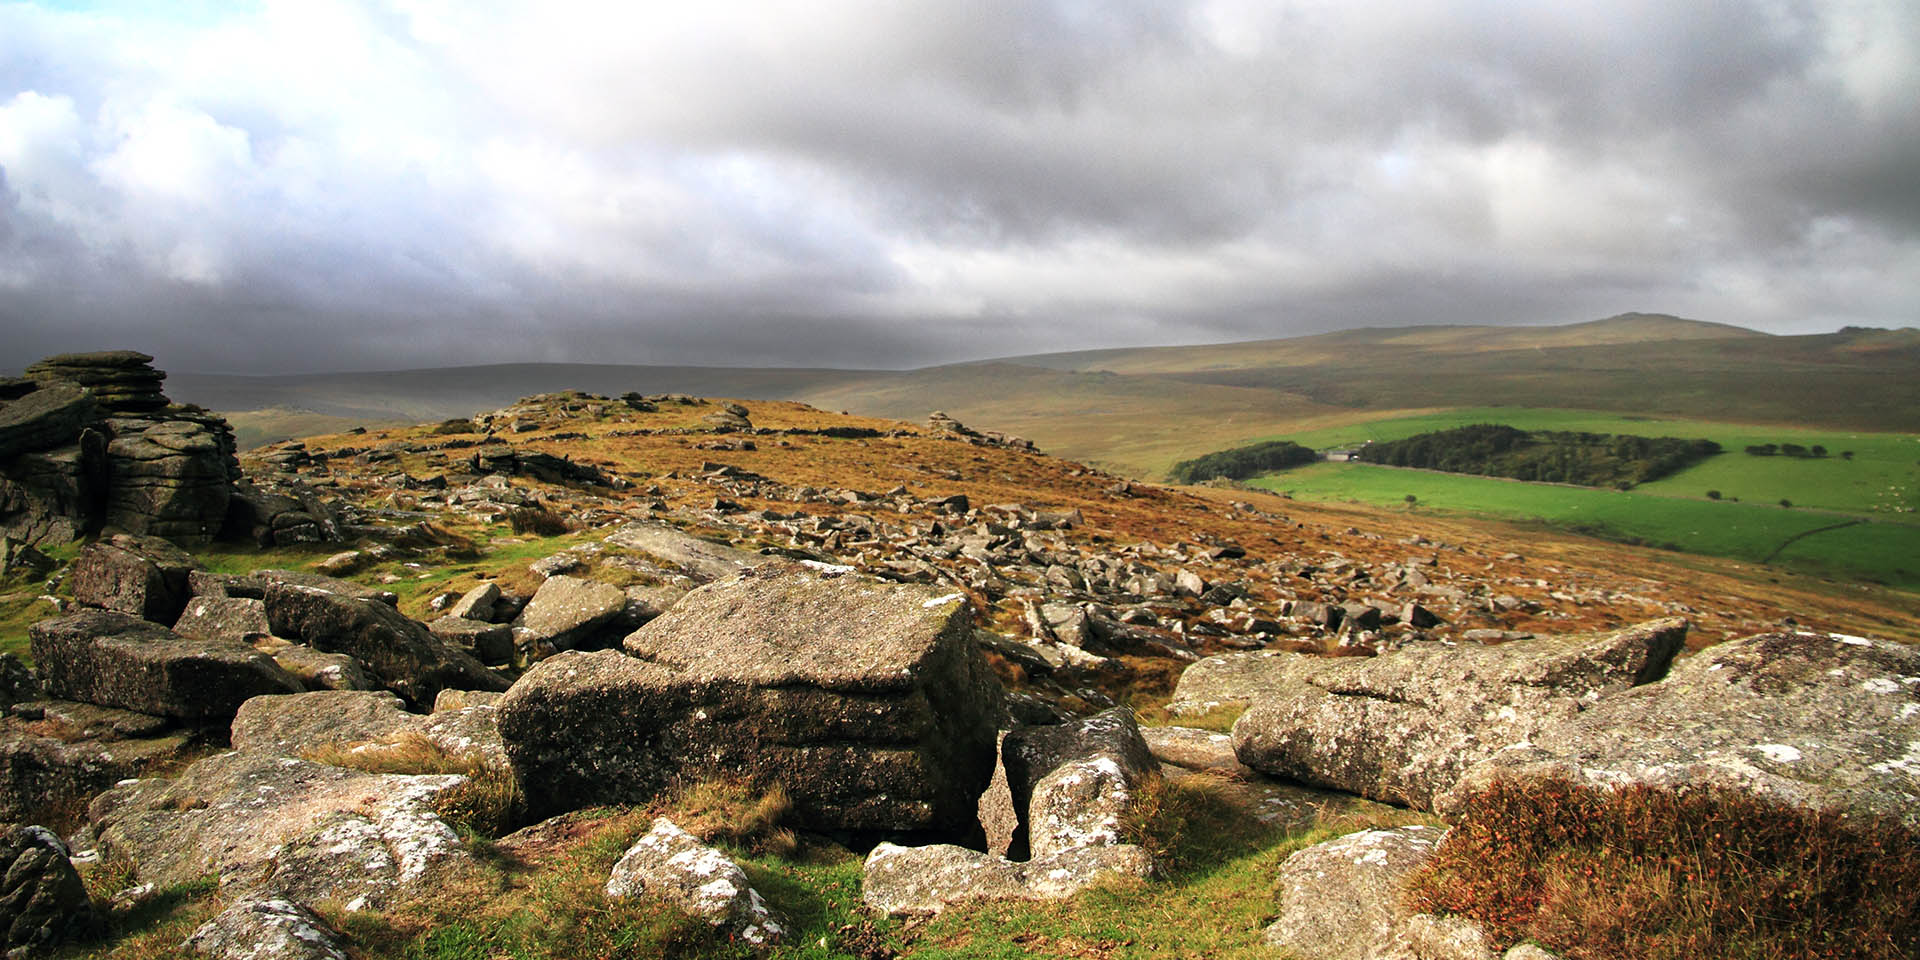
[489,804]
[727,809]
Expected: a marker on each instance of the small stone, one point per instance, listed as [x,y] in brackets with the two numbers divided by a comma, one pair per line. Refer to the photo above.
[673,865]
[265,927]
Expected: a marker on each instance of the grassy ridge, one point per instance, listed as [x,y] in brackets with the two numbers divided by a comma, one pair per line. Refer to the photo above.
[1882,551]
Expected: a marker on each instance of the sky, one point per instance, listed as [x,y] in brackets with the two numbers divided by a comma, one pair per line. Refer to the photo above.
[320,185]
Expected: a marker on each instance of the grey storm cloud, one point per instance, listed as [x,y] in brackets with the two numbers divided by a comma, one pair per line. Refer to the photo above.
[342,184]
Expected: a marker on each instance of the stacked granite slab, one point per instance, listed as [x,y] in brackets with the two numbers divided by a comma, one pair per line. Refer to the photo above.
[88,442]
[867,701]
[121,381]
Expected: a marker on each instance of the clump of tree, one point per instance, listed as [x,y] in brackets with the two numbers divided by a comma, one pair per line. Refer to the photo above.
[1552,456]
[1240,463]
[1792,450]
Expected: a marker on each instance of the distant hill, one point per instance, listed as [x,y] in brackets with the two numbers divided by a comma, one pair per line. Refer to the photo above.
[1626,328]
[1139,410]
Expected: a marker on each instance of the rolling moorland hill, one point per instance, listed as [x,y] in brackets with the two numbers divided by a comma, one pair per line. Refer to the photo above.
[590,551]
[1138,411]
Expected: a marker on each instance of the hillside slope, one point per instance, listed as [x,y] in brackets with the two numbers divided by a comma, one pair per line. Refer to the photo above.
[1139,410]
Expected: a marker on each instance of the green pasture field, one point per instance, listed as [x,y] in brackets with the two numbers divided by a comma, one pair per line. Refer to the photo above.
[1867,548]
[1882,477]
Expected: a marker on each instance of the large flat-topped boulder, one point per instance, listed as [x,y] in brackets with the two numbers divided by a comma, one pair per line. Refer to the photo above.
[305,830]
[1403,728]
[122,380]
[867,701]
[702,559]
[399,651]
[116,660]
[1809,720]
[785,625]
[567,612]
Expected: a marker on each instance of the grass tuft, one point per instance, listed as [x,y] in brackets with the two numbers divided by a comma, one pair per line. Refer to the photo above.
[537,520]
[730,809]
[1654,873]
[489,804]
[1180,822]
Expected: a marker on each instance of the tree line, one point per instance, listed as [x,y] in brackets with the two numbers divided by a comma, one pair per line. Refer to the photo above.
[1239,463]
[1792,450]
[1552,456]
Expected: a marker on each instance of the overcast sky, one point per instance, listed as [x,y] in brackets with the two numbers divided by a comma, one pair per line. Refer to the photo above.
[326,184]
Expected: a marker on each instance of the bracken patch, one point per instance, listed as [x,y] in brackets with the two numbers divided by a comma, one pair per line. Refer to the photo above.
[1645,872]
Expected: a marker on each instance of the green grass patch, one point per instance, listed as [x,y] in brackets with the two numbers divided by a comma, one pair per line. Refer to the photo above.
[1879,551]
[1882,479]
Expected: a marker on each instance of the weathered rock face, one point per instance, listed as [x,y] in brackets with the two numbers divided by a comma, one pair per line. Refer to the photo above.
[54,754]
[705,561]
[142,576]
[115,660]
[44,418]
[1403,728]
[400,652]
[289,725]
[92,442]
[867,701]
[315,670]
[1809,720]
[671,864]
[1075,780]
[262,927]
[923,880]
[236,619]
[567,612]
[1200,750]
[170,478]
[1339,900]
[1231,679]
[42,901]
[303,830]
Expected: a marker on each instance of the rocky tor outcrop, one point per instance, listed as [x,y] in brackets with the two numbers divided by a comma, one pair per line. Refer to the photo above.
[89,442]
[1403,728]
[866,701]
